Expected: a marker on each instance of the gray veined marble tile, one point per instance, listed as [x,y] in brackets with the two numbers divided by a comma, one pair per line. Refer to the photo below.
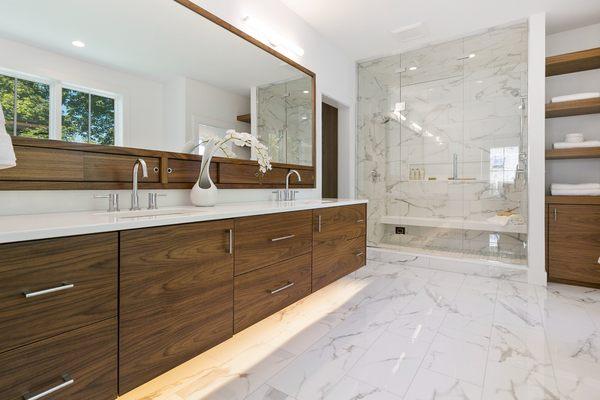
[503,382]
[429,385]
[352,389]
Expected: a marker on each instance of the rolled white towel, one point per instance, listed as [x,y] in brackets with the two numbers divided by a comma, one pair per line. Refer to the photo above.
[587,143]
[575,96]
[575,186]
[575,192]
[574,138]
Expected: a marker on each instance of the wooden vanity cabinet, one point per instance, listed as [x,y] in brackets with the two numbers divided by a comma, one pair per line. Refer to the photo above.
[58,318]
[339,243]
[176,296]
[574,244]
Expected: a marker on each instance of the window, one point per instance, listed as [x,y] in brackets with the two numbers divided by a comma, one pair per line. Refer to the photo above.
[87,117]
[48,109]
[26,105]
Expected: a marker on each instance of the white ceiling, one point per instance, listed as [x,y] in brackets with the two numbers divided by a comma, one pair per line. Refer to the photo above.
[363,28]
[157,38]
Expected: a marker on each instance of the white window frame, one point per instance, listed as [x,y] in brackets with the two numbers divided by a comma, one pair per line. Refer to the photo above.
[55,100]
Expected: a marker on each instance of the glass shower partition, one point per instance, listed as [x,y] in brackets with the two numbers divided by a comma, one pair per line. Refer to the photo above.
[442,147]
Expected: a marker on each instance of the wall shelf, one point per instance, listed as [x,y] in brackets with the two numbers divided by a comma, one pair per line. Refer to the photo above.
[575,107]
[594,200]
[452,223]
[565,154]
[244,118]
[573,62]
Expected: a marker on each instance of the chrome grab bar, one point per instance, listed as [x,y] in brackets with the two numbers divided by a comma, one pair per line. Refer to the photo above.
[64,286]
[282,238]
[67,381]
[286,286]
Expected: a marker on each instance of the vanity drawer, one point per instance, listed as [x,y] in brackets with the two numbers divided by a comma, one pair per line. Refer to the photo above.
[336,223]
[80,364]
[267,239]
[263,292]
[88,263]
[334,259]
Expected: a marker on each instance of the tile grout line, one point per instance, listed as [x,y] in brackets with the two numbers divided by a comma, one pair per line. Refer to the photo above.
[487,358]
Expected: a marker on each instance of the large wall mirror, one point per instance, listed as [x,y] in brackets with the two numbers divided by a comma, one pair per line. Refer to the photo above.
[148,74]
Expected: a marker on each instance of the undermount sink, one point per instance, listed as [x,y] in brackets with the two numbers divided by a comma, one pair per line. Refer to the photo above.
[149,213]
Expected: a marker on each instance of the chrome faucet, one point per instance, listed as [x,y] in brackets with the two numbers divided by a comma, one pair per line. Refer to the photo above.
[135,200]
[287,194]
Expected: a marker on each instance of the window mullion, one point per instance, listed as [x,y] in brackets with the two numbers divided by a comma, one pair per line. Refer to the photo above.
[89,135]
[15,108]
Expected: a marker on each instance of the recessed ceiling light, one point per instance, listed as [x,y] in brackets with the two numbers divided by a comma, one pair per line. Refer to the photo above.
[78,43]
[471,55]
[412,68]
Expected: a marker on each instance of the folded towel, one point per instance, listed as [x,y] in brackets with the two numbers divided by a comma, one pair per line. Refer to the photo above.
[587,143]
[576,96]
[576,186]
[575,192]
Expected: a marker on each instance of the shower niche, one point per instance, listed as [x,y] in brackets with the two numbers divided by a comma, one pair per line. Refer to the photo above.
[442,147]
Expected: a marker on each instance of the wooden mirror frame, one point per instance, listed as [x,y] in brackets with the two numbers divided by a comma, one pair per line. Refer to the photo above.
[44,164]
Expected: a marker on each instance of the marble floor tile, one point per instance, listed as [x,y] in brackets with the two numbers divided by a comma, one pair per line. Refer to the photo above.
[397,332]
[391,363]
[429,385]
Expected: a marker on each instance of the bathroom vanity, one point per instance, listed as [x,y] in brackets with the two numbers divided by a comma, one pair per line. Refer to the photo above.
[100,303]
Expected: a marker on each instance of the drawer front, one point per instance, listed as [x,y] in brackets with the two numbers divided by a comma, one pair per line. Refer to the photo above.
[335,259]
[87,356]
[88,263]
[263,292]
[345,222]
[267,239]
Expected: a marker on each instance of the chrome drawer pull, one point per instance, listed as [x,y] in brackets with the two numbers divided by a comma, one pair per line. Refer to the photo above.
[362,253]
[320,224]
[230,241]
[282,238]
[64,286]
[360,221]
[287,286]
[67,381]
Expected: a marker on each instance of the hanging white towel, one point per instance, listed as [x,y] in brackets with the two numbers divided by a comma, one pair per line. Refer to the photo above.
[587,143]
[576,186]
[576,96]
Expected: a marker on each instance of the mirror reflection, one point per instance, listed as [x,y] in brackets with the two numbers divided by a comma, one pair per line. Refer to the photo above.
[158,77]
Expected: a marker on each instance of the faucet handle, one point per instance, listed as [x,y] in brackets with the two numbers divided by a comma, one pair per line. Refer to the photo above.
[153,200]
[277,194]
[113,201]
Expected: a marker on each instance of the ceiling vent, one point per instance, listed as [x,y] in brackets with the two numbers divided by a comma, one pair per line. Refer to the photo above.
[410,32]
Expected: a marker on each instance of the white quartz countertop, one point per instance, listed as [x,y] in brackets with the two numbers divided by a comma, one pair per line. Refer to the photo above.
[18,228]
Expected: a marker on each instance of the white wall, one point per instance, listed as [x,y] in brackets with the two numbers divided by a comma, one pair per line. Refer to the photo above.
[536,153]
[336,76]
[573,171]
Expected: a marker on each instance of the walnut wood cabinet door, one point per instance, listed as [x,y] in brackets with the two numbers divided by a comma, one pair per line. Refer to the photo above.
[176,288]
[574,243]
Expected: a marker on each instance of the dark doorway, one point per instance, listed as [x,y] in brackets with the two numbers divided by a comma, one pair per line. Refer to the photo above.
[329,151]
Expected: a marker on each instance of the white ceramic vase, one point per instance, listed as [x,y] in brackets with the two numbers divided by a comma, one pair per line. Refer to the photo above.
[205,193]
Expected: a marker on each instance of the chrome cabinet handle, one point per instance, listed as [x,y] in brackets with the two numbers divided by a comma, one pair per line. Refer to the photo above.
[286,286]
[362,253]
[282,238]
[319,223]
[230,241]
[360,221]
[67,381]
[64,286]
[555,214]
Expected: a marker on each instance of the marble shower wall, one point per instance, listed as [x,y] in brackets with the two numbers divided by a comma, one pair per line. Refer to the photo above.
[284,120]
[418,110]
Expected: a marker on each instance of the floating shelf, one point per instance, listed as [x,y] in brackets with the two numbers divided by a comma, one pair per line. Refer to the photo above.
[451,223]
[564,154]
[244,118]
[575,107]
[594,200]
[573,62]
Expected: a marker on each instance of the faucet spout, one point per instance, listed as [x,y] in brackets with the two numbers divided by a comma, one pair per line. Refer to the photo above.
[287,193]
[135,200]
